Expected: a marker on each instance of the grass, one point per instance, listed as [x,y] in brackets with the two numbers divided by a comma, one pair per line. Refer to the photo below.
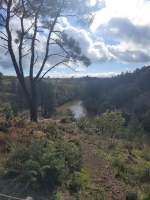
[133,171]
[89,191]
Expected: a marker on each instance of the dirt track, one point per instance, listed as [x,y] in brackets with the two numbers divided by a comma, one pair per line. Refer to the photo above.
[100,174]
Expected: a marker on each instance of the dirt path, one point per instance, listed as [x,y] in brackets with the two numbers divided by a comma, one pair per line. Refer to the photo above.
[102,177]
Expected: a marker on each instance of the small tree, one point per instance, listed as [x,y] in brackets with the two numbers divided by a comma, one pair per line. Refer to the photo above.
[43,17]
[110,122]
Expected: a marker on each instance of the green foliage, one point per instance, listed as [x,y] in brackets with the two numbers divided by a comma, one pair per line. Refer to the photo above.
[1,76]
[65,119]
[110,122]
[76,182]
[146,198]
[104,106]
[58,197]
[44,162]
[86,126]
[119,165]
[46,98]
[134,131]
[7,111]
[70,113]
[146,120]
[82,123]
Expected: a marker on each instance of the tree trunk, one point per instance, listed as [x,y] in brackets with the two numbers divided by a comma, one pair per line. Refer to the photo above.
[31,100]
[33,111]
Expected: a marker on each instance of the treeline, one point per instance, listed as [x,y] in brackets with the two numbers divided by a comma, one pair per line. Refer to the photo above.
[50,94]
[129,92]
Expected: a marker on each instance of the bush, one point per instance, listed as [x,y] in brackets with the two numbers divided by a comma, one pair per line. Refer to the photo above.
[110,122]
[7,111]
[76,182]
[119,165]
[44,161]
[65,119]
[70,113]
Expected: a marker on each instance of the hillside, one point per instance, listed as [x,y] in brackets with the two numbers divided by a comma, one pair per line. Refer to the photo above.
[60,158]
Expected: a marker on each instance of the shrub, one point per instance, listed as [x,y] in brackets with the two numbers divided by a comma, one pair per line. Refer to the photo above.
[76,182]
[44,161]
[119,165]
[7,111]
[65,119]
[110,122]
[70,113]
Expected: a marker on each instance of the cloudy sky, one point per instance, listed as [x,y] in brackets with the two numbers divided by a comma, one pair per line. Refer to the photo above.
[117,41]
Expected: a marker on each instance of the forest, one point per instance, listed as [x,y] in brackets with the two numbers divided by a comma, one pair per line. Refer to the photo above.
[128,92]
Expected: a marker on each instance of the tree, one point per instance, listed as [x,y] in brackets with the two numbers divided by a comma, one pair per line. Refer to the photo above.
[110,122]
[43,15]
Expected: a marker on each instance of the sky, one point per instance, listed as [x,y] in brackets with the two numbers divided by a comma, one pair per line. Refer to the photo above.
[117,41]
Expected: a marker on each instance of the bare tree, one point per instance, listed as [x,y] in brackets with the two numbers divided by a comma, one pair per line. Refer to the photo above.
[44,16]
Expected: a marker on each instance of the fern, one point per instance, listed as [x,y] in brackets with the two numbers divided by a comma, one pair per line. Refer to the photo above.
[44,161]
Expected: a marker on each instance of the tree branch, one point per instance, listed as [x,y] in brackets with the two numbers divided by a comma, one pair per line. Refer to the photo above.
[3,38]
[48,71]
[21,39]
[47,49]
[32,49]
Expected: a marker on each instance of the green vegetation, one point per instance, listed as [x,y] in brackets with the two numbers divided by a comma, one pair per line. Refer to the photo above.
[48,154]
[39,156]
[110,122]
[7,110]
[45,161]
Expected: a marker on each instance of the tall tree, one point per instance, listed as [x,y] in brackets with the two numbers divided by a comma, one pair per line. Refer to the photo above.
[44,16]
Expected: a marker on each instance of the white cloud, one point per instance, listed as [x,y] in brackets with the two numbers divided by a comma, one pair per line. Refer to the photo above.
[122,21]
[56,74]
[136,11]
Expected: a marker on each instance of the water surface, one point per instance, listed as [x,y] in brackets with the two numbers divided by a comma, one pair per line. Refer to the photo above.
[78,109]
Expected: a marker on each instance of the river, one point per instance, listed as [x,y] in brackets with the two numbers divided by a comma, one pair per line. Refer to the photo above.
[78,109]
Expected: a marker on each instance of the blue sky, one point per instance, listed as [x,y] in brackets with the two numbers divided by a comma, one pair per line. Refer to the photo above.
[117,41]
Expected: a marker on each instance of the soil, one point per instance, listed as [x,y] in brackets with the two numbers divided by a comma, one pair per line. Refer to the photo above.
[100,174]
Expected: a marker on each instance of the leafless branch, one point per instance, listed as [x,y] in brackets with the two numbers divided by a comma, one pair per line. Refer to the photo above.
[4,47]
[3,8]
[36,58]
[25,55]
[2,25]
[70,67]
[6,52]
[4,34]
[3,17]
[48,71]
[3,38]
[56,55]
